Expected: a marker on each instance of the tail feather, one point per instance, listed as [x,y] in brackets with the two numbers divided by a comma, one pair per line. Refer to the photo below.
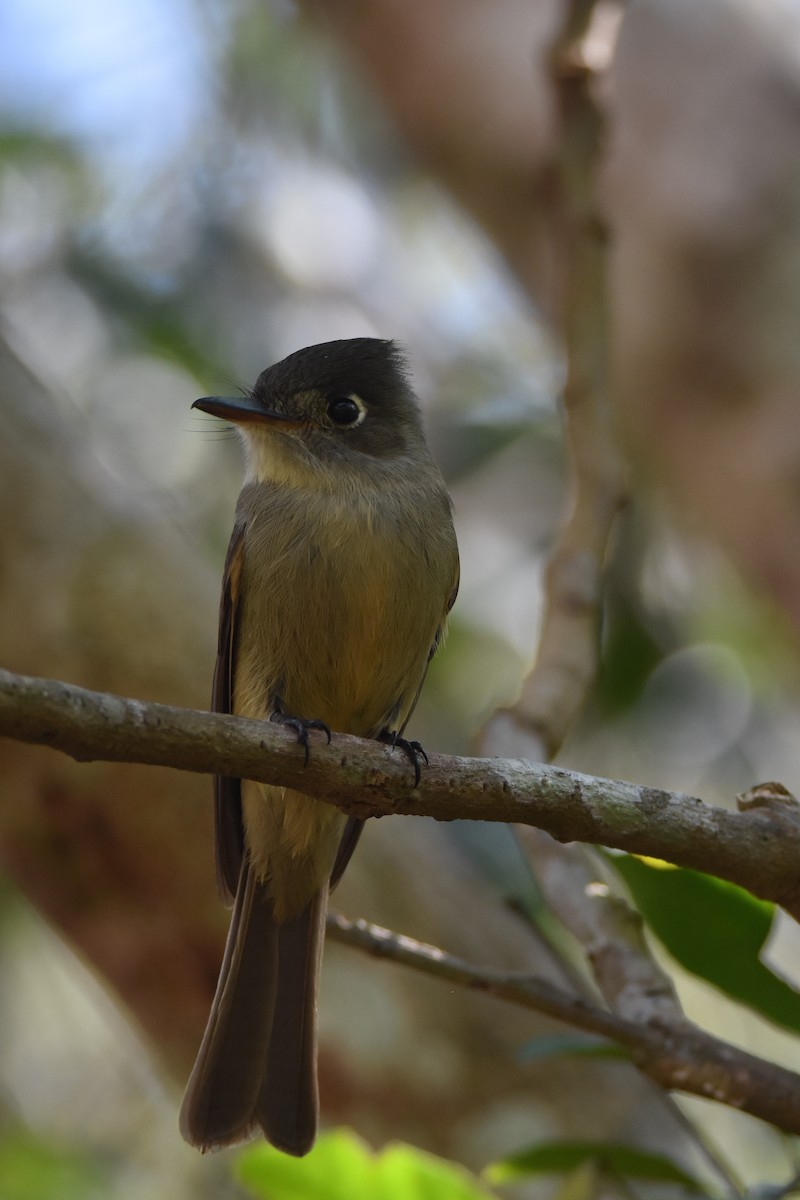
[257,1062]
[221,1095]
[288,1105]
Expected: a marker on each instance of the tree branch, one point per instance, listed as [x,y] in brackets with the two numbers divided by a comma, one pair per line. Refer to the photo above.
[369,779]
[674,1053]
[610,931]
[758,848]
[566,659]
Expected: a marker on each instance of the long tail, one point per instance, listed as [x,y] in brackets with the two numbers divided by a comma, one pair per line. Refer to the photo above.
[256,1067]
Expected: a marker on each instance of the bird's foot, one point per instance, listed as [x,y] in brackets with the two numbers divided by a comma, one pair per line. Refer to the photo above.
[413,750]
[302,728]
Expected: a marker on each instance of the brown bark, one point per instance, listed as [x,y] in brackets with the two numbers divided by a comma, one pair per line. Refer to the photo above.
[757,848]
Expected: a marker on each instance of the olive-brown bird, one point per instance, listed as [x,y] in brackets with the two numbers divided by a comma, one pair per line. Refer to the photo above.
[340,572]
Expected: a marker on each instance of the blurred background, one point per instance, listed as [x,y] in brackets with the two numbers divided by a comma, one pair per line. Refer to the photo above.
[191,189]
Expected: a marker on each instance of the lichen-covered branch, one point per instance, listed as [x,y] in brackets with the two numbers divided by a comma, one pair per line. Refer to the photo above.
[758,848]
[369,779]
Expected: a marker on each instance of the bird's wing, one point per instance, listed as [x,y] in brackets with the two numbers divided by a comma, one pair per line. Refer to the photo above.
[440,631]
[227,791]
[347,844]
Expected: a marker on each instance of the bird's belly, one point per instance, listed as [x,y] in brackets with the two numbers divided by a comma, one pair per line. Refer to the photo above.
[339,636]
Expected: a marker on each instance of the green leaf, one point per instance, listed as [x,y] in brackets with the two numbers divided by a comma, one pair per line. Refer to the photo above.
[157,323]
[581,1184]
[576,1045]
[714,929]
[403,1171]
[24,145]
[343,1167]
[33,1170]
[559,1157]
[630,654]
[339,1164]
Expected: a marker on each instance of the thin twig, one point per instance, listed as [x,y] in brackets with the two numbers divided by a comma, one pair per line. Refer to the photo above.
[676,1054]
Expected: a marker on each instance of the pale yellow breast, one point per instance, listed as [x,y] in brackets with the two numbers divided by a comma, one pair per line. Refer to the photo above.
[338,617]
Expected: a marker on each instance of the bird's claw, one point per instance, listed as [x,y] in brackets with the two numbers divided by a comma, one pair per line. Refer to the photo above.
[302,728]
[414,751]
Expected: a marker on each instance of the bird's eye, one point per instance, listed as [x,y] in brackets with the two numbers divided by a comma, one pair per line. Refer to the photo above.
[346,410]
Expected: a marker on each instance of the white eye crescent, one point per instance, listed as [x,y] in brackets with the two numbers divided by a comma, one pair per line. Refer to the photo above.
[346,411]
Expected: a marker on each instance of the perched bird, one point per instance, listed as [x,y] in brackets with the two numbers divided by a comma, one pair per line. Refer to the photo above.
[340,573]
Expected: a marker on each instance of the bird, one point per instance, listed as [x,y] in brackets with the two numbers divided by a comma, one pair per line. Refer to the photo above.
[340,573]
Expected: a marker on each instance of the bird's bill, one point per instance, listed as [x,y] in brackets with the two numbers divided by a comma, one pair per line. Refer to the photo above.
[242,410]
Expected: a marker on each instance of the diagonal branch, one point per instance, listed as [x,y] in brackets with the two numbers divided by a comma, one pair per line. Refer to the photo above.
[758,848]
[674,1053]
